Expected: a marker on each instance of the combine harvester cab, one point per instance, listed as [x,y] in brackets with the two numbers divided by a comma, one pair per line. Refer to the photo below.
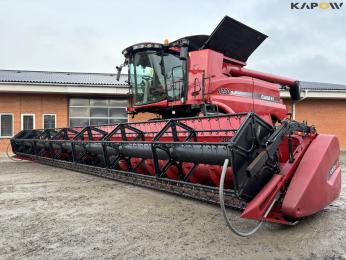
[223,136]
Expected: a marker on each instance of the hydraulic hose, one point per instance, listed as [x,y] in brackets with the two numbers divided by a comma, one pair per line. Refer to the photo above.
[223,208]
[11,157]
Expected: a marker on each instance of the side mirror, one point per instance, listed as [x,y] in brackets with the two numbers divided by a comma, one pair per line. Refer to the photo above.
[183,52]
[119,71]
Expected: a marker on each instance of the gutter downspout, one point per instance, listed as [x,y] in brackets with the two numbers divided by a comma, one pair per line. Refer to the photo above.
[294,104]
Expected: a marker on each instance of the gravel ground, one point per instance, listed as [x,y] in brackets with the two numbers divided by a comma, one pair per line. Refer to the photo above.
[50,213]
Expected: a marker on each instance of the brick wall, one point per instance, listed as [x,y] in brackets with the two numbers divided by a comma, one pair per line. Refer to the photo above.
[37,104]
[328,115]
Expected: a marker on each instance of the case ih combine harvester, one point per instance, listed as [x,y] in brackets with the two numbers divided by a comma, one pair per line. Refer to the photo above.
[224,136]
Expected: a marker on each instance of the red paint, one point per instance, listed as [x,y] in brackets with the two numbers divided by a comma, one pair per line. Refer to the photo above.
[222,74]
[311,188]
[208,174]
[240,71]
[257,207]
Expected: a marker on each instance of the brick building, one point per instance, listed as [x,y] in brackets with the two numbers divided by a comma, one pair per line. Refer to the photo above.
[322,105]
[41,99]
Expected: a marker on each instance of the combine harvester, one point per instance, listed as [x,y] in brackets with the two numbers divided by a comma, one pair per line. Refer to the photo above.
[223,137]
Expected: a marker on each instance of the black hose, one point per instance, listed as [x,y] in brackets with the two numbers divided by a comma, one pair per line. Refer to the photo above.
[13,158]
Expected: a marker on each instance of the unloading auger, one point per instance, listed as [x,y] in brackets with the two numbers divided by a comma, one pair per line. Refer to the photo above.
[223,136]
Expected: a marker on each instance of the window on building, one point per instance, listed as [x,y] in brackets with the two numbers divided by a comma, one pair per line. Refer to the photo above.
[49,121]
[85,111]
[6,125]
[28,121]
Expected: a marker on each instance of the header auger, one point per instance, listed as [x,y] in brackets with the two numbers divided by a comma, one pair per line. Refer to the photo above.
[223,136]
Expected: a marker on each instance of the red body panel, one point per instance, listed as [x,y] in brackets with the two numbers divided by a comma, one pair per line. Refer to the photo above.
[258,205]
[232,93]
[240,71]
[317,180]
[243,94]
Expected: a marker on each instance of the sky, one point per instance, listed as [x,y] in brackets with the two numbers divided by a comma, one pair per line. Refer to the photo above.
[88,36]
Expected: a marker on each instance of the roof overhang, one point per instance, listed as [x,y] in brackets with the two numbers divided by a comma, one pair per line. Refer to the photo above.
[317,94]
[64,89]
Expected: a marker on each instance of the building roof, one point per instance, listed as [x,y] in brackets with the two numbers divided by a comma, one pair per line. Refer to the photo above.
[109,79]
[86,81]
[62,78]
[319,86]
[318,90]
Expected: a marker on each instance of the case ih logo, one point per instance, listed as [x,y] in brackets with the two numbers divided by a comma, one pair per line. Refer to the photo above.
[316,5]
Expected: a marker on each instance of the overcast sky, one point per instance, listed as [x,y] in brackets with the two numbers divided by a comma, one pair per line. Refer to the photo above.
[88,36]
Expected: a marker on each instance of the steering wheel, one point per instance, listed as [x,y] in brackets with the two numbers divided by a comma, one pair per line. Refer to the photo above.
[147,78]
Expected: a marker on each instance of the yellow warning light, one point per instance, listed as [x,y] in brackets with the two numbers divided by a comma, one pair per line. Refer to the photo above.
[165,41]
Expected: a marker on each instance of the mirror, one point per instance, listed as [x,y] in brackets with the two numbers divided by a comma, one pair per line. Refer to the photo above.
[119,71]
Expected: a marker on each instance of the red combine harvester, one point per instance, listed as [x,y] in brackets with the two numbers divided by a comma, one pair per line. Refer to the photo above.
[223,137]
